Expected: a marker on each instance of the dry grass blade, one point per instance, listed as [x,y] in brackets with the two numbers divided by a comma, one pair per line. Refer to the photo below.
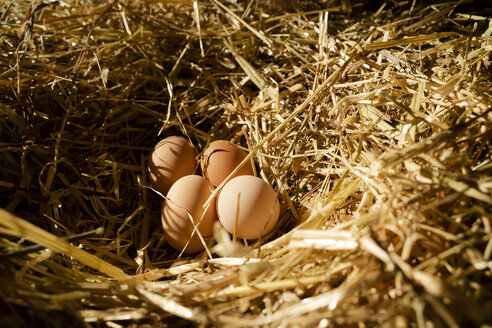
[408,40]
[255,76]
[328,299]
[15,226]
[257,33]
[174,307]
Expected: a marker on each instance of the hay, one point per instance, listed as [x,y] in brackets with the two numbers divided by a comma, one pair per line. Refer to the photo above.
[373,124]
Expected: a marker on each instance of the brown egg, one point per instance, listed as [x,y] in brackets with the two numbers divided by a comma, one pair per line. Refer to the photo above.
[220,159]
[250,204]
[187,197]
[172,158]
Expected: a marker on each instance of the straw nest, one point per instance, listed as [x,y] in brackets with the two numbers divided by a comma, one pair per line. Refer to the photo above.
[372,123]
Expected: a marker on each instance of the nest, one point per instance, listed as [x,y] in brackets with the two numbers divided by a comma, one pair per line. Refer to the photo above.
[372,123]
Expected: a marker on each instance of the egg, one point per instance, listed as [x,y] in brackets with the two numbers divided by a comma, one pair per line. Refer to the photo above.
[172,158]
[248,205]
[186,198]
[220,159]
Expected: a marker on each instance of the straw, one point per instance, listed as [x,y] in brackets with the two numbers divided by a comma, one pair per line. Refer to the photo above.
[372,123]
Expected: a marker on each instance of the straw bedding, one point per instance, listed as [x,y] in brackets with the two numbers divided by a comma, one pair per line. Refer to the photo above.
[371,122]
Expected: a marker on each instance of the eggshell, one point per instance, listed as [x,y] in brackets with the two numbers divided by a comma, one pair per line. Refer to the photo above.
[187,197]
[172,158]
[253,202]
[220,159]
